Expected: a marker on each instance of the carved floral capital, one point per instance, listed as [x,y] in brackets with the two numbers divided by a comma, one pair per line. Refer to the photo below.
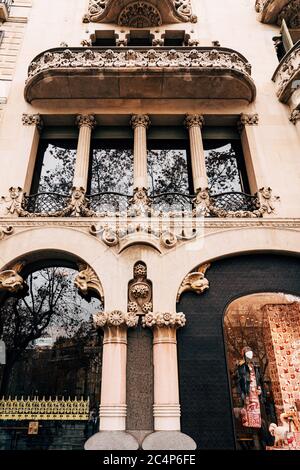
[86,120]
[140,120]
[194,120]
[33,120]
[115,318]
[163,320]
[248,120]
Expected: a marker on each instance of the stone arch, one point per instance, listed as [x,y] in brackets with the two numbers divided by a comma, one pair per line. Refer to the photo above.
[204,385]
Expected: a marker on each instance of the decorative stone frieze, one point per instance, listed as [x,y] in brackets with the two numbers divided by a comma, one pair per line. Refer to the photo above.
[287,75]
[87,282]
[84,67]
[6,231]
[295,116]
[195,282]
[11,281]
[140,291]
[160,320]
[115,318]
[153,13]
[33,120]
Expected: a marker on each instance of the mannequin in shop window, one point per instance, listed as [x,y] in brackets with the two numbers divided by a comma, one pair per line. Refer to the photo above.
[249,385]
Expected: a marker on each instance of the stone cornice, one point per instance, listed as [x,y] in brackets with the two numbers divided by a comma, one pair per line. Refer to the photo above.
[287,75]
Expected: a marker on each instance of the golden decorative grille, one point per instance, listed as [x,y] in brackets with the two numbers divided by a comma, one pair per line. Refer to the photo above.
[44,410]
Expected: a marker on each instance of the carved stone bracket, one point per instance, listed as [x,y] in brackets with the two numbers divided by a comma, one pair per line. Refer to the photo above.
[164,320]
[11,281]
[140,291]
[87,282]
[195,282]
[128,12]
[115,318]
[295,116]
[6,231]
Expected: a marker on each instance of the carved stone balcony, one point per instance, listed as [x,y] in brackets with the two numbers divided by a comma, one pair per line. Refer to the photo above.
[196,73]
[287,75]
[274,11]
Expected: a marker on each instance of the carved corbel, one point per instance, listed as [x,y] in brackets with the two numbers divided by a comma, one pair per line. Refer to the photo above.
[195,282]
[87,282]
[11,281]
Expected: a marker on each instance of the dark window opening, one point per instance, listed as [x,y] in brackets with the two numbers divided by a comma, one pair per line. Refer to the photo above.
[138,38]
[104,38]
[55,166]
[173,38]
[225,166]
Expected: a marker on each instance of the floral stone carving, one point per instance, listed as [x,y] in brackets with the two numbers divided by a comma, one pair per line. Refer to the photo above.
[140,291]
[115,318]
[160,320]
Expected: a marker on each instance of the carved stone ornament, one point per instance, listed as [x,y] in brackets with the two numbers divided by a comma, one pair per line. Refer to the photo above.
[86,121]
[164,320]
[140,204]
[124,13]
[140,120]
[11,281]
[295,116]
[202,203]
[248,120]
[12,204]
[267,200]
[194,120]
[140,291]
[33,120]
[115,318]
[287,75]
[195,282]
[6,231]
[88,282]
[291,14]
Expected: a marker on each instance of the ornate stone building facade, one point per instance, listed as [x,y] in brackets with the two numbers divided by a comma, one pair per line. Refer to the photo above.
[154,150]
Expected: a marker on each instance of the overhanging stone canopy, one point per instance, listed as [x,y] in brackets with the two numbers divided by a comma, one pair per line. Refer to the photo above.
[274,11]
[140,13]
[196,73]
[287,75]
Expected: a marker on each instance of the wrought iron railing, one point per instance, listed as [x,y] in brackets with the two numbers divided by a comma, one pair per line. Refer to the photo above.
[169,201]
[234,201]
[55,204]
[108,202]
[45,202]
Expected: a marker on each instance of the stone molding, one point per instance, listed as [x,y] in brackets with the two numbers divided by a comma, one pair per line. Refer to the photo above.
[287,75]
[195,282]
[115,318]
[86,120]
[87,282]
[113,411]
[166,410]
[113,11]
[194,120]
[164,320]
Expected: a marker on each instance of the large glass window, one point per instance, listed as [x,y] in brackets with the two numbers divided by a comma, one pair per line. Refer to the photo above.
[54,171]
[168,167]
[225,166]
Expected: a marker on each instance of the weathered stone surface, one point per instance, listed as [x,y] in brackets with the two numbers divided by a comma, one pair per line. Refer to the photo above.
[112,440]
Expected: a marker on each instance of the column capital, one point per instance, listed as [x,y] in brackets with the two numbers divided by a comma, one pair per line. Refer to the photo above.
[247,120]
[115,318]
[86,120]
[140,120]
[163,320]
[194,120]
[33,120]
[295,116]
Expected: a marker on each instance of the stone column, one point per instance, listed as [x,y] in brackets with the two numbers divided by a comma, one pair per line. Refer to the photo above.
[113,385]
[254,159]
[140,123]
[33,124]
[86,124]
[194,123]
[166,408]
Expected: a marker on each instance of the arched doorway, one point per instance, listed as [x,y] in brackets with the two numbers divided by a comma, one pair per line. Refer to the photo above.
[262,338]
[50,383]
[205,392]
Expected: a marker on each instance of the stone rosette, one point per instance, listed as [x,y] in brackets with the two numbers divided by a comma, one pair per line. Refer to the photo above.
[115,318]
[173,320]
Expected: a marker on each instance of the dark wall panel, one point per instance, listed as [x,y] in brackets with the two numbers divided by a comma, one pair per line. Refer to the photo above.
[204,386]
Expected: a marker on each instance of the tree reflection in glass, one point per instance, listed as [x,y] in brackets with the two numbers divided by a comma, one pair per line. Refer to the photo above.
[52,346]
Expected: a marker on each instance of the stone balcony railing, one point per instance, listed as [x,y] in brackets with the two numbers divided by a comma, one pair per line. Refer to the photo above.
[100,73]
[287,75]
